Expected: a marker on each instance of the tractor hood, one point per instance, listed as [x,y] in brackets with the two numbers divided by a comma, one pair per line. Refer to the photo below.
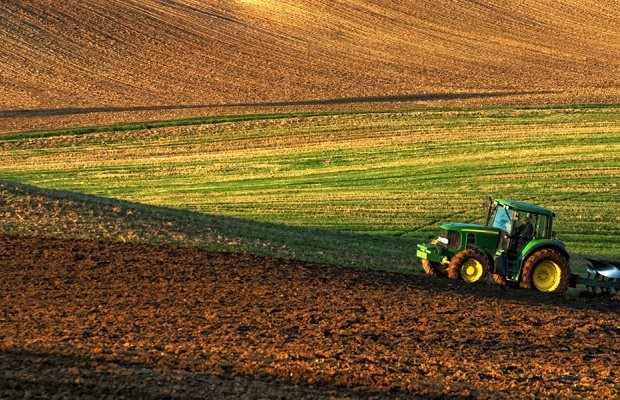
[458,236]
[474,228]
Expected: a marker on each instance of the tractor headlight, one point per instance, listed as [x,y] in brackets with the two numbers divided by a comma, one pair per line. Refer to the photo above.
[443,240]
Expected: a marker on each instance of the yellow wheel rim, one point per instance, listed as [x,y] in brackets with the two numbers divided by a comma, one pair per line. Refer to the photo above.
[547,276]
[471,271]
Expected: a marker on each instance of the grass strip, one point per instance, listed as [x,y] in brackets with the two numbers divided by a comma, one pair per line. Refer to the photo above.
[217,119]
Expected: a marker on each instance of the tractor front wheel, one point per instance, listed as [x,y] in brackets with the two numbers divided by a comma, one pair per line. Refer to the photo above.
[428,267]
[434,268]
[470,266]
[546,270]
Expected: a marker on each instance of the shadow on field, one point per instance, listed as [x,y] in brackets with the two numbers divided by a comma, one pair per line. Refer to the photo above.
[52,112]
[33,211]
[30,211]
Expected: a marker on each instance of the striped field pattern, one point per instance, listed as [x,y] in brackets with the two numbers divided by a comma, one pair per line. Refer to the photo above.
[392,173]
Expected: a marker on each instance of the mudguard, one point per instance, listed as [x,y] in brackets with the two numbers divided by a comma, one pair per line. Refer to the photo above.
[537,244]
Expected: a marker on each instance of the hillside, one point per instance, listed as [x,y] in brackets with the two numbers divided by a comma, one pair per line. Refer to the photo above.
[400,174]
[76,63]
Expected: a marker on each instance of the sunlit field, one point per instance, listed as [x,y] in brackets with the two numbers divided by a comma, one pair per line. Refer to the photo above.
[396,174]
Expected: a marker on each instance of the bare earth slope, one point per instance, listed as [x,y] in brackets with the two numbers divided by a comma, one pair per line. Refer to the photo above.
[76,62]
[82,319]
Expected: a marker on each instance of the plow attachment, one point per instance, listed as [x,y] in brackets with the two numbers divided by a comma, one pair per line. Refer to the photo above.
[603,277]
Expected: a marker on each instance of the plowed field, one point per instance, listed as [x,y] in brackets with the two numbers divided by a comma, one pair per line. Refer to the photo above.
[95,319]
[102,61]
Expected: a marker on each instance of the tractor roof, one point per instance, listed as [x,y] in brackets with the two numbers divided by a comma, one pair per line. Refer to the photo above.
[527,207]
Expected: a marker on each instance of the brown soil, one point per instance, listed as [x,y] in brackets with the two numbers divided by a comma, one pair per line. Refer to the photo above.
[84,319]
[103,61]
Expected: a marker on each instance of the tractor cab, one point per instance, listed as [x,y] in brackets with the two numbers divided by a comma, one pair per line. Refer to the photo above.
[523,227]
[519,222]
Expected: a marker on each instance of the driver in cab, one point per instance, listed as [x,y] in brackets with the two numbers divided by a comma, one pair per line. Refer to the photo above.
[525,232]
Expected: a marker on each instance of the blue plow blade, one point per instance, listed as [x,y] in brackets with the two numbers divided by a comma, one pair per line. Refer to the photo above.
[608,269]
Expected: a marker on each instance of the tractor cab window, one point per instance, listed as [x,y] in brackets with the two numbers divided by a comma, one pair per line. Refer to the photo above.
[532,226]
[503,219]
[542,227]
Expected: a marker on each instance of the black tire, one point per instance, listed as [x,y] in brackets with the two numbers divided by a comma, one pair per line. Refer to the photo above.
[499,279]
[428,267]
[434,268]
[546,270]
[441,269]
[469,265]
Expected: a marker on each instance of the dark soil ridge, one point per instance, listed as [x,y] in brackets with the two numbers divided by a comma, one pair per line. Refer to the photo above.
[101,319]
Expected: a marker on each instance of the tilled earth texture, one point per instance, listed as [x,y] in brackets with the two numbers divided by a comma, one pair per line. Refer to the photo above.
[97,62]
[85,319]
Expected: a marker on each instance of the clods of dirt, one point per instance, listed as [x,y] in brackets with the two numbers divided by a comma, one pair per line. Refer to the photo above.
[97,319]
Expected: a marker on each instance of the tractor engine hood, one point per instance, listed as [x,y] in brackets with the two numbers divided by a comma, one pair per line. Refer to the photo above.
[455,236]
[474,228]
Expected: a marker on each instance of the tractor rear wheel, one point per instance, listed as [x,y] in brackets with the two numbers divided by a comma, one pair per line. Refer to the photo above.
[470,266]
[546,270]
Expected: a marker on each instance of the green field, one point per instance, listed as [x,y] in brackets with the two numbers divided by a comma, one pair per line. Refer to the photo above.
[390,177]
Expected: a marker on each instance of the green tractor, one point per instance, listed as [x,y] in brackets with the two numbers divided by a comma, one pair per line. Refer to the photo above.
[517,246]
